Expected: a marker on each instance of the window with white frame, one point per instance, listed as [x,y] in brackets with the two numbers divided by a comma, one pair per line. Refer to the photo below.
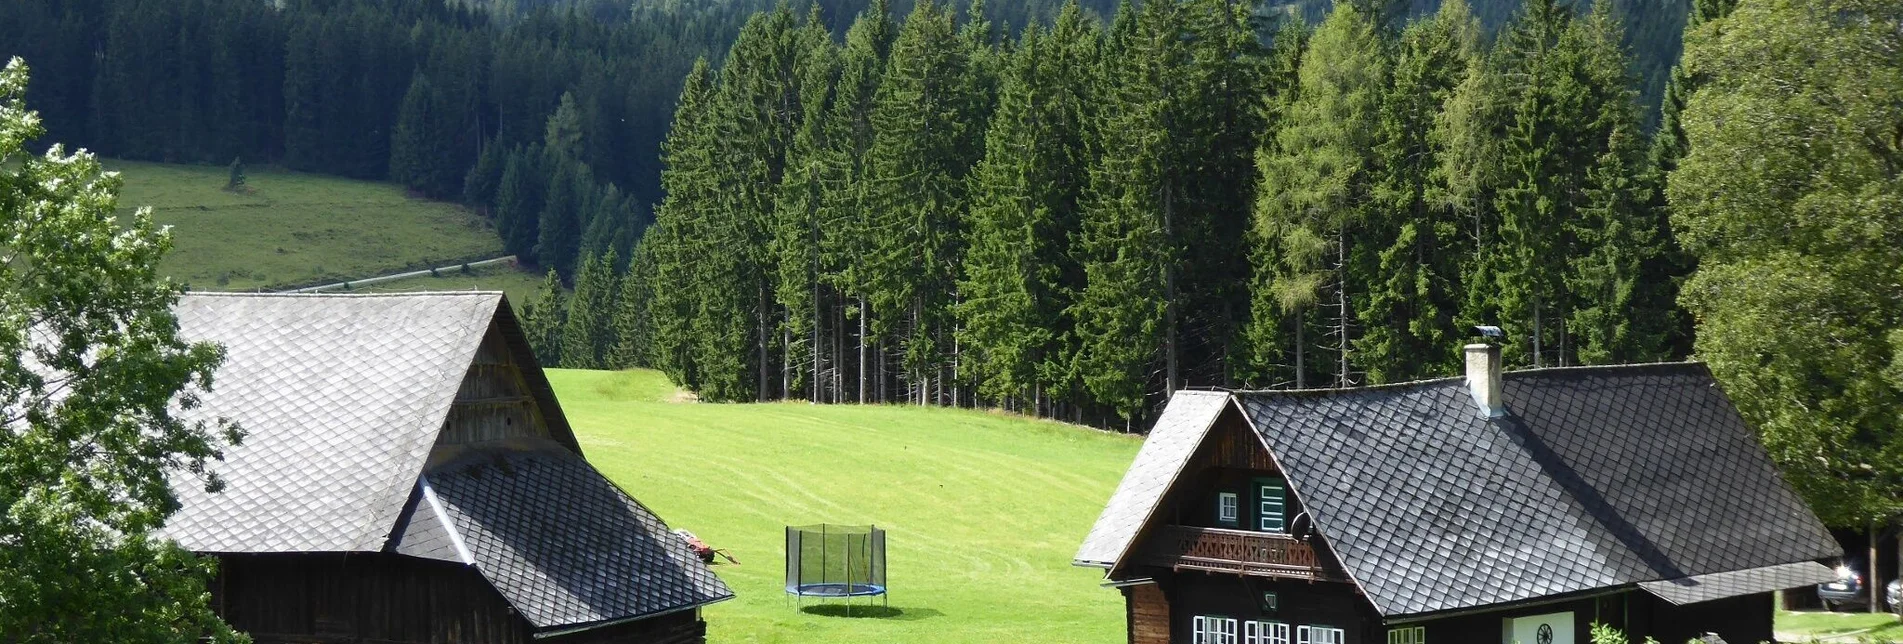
[1265,633]
[1211,629]
[1319,635]
[1226,508]
[1408,635]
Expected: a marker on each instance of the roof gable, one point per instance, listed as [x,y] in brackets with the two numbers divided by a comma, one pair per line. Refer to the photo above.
[341,398]
[1597,477]
[1171,443]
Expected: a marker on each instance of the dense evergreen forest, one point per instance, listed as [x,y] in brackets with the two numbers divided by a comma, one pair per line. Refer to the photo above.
[566,103]
[1088,216]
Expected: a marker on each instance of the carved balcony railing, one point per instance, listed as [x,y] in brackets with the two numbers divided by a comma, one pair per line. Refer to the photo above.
[1235,551]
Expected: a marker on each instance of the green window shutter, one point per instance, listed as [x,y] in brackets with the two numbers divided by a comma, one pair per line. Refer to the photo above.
[1271,507]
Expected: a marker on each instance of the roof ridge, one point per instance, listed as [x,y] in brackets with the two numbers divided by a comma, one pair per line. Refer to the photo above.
[402,294]
[1514,373]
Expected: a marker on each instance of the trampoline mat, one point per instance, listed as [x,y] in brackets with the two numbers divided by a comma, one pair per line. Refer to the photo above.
[837,590]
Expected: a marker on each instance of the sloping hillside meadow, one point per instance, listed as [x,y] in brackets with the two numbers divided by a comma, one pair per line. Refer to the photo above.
[295,229]
[983,510]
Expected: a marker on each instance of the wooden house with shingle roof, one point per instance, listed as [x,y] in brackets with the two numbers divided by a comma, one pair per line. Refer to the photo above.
[407,476]
[1500,507]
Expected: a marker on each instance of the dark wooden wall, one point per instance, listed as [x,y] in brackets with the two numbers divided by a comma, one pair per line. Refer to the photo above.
[377,598]
[1331,604]
[1147,613]
[1745,620]
[1228,460]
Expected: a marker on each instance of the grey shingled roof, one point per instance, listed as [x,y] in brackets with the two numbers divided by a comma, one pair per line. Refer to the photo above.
[562,544]
[1596,478]
[341,397]
[1719,585]
[1171,442]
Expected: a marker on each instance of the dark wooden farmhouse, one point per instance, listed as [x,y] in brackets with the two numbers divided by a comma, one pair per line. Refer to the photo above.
[1517,507]
[407,477]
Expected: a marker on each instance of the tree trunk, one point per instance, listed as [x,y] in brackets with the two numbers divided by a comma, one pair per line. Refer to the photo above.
[761,305]
[1537,331]
[1871,579]
[1341,304]
[862,349]
[1301,369]
[1169,297]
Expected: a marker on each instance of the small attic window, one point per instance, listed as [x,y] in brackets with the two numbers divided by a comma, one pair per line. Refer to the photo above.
[1226,508]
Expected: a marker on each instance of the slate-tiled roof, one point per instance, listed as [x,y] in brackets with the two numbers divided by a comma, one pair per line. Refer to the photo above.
[1171,442]
[341,397]
[1719,585]
[562,543]
[1596,478]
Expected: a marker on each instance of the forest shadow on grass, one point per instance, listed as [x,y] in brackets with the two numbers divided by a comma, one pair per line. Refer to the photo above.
[872,612]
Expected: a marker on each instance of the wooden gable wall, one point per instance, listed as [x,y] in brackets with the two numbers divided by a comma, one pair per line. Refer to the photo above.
[494,402]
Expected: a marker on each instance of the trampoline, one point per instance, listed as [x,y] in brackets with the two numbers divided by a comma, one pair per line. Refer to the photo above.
[837,562]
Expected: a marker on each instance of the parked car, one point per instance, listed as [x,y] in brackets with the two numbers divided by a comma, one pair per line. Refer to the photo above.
[1848,590]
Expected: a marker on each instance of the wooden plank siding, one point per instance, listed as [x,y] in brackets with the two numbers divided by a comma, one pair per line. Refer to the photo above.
[379,598]
[1148,614]
[494,401]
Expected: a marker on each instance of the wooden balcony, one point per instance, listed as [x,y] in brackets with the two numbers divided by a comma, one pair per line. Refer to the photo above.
[1235,551]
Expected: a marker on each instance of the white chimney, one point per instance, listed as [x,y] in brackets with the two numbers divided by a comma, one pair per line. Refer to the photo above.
[1483,379]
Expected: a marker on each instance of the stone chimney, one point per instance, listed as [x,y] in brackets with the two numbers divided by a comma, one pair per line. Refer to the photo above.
[1483,379]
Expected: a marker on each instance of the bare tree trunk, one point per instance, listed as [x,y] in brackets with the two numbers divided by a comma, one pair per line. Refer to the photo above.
[761,305]
[819,318]
[1301,351]
[1169,296]
[1871,580]
[1537,332]
[786,362]
[1342,378]
[862,349]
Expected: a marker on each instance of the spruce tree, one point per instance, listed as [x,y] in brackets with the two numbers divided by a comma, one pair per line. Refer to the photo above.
[544,318]
[1122,244]
[843,206]
[1024,201]
[1408,324]
[633,322]
[797,227]
[916,171]
[519,203]
[559,241]
[755,111]
[588,331]
[484,180]
[420,154]
[1622,310]
[691,186]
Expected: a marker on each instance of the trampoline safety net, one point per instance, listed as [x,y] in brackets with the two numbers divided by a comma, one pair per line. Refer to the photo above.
[835,560]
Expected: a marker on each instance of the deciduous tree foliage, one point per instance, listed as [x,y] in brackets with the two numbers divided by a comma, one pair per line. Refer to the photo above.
[1791,196]
[94,376]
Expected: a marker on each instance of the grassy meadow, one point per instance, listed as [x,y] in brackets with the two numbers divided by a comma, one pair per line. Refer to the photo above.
[292,229]
[983,510]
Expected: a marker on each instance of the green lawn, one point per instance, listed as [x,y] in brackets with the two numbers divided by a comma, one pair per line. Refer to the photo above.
[294,228]
[983,510]
[518,284]
[1875,626]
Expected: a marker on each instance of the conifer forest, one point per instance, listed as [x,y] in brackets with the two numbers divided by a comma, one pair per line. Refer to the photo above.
[1073,209]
